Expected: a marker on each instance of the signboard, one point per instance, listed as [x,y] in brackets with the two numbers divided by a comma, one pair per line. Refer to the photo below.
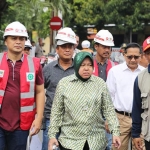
[55,23]
[91,30]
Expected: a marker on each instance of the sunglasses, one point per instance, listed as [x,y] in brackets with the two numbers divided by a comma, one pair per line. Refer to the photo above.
[132,56]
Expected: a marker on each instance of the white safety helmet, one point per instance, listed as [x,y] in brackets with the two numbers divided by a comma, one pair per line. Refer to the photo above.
[67,35]
[104,37]
[85,44]
[15,29]
[28,44]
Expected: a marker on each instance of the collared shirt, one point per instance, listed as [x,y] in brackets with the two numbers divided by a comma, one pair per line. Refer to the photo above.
[120,83]
[102,70]
[39,51]
[53,72]
[137,109]
[11,101]
[78,108]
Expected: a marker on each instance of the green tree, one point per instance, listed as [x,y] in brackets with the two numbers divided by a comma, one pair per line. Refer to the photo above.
[31,14]
[28,12]
[86,12]
[128,15]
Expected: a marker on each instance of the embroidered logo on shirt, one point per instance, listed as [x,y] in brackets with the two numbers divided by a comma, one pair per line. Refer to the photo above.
[30,77]
[1,73]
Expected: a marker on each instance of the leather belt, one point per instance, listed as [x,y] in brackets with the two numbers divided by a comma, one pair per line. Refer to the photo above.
[123,113]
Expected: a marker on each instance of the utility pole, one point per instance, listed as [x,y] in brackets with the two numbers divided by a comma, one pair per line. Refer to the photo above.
[130,35]
[51,35]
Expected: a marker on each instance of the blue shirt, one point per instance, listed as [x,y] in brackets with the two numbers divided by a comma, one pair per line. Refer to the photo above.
[137,109]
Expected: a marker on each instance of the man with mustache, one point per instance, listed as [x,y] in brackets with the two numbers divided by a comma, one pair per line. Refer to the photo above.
[102,64]
[55,71]
[120,83]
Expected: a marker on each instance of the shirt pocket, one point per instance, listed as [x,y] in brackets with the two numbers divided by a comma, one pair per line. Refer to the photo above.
[145,123]
[144,97]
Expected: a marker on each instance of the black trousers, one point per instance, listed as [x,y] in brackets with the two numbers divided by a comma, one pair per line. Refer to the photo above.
[147,145]
[86,147]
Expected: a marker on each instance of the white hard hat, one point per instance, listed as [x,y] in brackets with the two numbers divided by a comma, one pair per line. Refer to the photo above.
[28,44]
[61,42]
[85,44]
[66,34]
[104,37]
[16,29]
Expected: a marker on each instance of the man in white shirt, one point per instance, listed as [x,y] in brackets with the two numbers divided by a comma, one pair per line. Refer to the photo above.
[120,83]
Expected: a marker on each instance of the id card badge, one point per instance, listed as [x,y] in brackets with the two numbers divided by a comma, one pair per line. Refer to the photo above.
[2,73]
[30,77]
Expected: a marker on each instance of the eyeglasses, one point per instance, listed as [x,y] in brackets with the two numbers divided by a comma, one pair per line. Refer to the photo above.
[132,56]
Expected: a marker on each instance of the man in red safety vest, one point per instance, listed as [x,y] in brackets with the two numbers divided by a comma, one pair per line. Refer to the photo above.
[102,64]
[21,91]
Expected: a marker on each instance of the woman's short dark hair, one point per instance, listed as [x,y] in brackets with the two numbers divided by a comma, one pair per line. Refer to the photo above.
[133,45]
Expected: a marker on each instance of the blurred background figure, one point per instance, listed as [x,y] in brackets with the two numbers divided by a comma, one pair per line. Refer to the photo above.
[39,48]
[122,48]
[27,47]
[32,53]
[76,45]
[76,50]
[119,56]
[51,57]
[86,47]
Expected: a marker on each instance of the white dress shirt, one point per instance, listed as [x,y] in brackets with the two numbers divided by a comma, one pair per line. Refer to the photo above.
[120,83]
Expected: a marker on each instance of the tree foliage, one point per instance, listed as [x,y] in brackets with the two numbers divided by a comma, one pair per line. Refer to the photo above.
[32,15]
[128,14]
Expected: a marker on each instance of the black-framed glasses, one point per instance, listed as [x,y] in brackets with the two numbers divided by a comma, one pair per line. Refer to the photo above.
[132,56]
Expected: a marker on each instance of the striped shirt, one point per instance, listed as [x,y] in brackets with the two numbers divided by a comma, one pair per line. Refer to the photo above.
[77,109]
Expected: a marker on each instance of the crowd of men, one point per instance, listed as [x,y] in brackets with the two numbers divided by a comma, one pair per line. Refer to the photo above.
[23,78]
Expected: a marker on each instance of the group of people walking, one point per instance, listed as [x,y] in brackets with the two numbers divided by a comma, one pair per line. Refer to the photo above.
[92,103]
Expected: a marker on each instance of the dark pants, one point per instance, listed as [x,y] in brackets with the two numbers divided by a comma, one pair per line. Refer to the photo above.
[147,145]
[86,147]
[15,140]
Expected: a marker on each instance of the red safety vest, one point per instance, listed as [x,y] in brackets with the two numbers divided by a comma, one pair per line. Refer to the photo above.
[110,64]
[28,72]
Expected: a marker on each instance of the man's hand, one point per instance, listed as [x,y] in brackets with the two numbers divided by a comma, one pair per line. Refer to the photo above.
[138,143]
[116,142]
[36,126]
[51,143]
[106,127]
